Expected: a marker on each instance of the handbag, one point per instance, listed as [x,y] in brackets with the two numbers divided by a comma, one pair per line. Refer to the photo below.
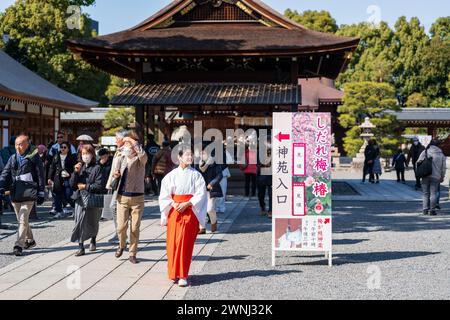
[107,212]
[24,191]
[425,167]
[91,200]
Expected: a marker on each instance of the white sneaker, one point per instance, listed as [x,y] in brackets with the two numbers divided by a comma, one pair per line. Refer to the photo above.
[182,283]
[52,212]
[60,215]
[67,211]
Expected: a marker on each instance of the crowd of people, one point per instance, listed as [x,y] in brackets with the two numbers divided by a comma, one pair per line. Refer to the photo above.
[84,182]
[430,184]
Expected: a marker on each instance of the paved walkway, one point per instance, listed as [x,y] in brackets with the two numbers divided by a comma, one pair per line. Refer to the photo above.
[388,190]
[54,273]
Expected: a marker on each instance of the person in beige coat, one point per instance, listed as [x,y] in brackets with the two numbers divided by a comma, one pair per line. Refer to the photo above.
[130,173]
[120,135]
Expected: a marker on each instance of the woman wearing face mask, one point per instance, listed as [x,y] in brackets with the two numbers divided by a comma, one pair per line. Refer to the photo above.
[130,198]
[87,177]
[183,203]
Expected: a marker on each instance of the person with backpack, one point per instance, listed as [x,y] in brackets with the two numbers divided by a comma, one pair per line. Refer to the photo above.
[399,163]
[24,175]
[431,167]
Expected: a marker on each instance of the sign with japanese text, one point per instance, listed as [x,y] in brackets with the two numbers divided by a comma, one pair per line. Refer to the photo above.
[301,167]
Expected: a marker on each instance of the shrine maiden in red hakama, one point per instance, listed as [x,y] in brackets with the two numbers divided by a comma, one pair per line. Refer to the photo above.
[183,204]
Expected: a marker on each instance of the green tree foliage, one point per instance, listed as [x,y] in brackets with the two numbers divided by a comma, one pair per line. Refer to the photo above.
[38,31]
[116,119]
[417,100]
[369,99]
[435,68]
[315,20]
[373,59]
[410,43]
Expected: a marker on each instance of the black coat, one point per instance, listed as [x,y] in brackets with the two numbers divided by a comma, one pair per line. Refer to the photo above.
[92,176]
[213,175]
[56,169]
[370,154]
[414,153]
[399,161]
[106,169]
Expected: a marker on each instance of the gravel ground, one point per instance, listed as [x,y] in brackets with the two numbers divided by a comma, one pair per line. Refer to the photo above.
[46,231]
[409,252]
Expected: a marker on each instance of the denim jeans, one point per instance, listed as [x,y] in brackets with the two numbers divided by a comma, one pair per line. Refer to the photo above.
[62,197]
[430,189]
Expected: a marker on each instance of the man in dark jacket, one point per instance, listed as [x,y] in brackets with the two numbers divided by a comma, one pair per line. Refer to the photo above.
[24,173]
[414,153]
[212,173]
[399,163]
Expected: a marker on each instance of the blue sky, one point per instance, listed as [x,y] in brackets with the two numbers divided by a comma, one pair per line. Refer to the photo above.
[117,15]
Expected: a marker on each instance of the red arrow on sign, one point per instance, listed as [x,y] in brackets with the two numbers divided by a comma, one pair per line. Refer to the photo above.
[282,137]
[327,221]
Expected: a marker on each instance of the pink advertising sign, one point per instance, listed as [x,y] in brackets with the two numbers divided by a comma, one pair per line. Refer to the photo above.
[301,167]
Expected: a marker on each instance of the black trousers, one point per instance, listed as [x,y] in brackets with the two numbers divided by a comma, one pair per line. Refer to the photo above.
[159,178]
[250,178]
[400,175]
[418,182]
[262,195]
[368,170]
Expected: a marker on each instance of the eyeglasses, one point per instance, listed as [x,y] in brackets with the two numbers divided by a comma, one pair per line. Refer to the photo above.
[63,147]
[60,137]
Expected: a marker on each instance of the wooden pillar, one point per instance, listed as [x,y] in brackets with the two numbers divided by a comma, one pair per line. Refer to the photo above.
[161,124]
[432,131]
[151,123]
[140,121]
[294,79]
[41,127]
[25,122]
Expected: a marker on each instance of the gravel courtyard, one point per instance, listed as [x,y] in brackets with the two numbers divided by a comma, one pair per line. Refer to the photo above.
[381,251]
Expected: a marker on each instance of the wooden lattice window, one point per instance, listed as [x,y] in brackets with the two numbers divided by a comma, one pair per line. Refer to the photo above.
[225,12]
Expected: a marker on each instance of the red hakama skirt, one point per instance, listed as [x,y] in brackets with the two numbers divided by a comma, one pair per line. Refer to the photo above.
[182,230]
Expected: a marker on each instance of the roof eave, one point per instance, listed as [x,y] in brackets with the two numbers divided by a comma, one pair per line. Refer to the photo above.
[76,48]
[19,96]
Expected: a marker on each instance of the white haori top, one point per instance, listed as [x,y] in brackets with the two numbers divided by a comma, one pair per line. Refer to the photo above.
[184,182]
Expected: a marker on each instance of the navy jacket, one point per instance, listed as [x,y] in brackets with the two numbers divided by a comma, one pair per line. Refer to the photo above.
[31,164]
[213,175]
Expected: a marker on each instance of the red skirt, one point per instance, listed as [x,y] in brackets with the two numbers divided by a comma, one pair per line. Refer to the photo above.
[182,230]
